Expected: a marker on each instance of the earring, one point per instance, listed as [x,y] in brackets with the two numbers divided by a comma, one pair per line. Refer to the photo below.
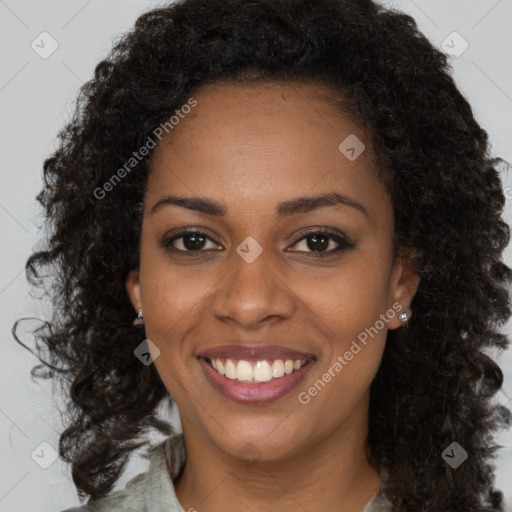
[403,317]
[139,320]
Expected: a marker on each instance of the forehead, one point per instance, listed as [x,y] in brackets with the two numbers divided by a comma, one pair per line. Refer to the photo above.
[254,143]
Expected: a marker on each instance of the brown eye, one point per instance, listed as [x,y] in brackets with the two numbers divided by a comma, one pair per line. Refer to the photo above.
[189,242]
[318,243]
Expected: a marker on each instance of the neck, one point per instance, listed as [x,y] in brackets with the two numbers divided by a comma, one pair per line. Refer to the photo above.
[333,474]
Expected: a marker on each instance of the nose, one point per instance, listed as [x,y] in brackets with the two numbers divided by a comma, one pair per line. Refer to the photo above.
[253,293]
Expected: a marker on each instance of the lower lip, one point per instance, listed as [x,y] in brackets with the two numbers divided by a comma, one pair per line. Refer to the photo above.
[259,393]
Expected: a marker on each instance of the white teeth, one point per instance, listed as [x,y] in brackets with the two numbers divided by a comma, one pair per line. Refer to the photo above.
[244,371]
[230,370]
[277,368]
[261,371]
[298,364]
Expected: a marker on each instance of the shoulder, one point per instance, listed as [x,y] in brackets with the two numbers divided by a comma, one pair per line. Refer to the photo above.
[151,491]
[378,503]
[129,499]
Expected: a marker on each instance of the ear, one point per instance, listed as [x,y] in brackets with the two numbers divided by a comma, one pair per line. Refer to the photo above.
[403,286]
[132,286]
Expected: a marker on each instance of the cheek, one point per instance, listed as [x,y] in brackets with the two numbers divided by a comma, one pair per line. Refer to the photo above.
[170,293]
[349,298]
[175,307]
[351,307]
[175,304]
[355,337]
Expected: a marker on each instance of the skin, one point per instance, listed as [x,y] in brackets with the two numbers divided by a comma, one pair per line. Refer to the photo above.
[252,147]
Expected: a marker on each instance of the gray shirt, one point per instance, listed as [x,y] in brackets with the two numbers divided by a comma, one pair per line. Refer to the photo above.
[153,491]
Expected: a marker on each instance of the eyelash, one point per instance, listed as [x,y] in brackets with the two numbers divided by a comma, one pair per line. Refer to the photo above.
[342,242]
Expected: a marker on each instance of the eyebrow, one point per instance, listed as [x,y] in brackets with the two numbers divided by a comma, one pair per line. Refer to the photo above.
[297,205]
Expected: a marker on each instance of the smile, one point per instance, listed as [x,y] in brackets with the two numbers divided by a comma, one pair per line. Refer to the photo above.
[255,371]
[254,374]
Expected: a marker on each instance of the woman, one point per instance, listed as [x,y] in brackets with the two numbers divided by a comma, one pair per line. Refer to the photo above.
[296,204]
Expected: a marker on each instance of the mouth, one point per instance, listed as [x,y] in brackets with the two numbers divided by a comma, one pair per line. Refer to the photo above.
[264,370]
[254,374]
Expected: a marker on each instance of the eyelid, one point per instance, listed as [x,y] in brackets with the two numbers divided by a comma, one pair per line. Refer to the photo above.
[337,236]
[167,240]
[340,238]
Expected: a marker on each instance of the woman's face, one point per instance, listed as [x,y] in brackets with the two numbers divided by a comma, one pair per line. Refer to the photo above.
[252,286]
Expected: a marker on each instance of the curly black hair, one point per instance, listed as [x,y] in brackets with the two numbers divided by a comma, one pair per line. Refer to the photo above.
[436,383]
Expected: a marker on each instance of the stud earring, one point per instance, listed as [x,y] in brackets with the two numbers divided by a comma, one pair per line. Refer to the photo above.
[139,320]
[403,317]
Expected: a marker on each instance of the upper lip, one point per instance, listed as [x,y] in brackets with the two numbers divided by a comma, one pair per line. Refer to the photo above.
[253,352]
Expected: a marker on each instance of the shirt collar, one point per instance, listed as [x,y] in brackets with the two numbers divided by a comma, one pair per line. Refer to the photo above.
[166,464]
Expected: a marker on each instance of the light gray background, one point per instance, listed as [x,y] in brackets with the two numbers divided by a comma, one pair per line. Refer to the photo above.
[36,99]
